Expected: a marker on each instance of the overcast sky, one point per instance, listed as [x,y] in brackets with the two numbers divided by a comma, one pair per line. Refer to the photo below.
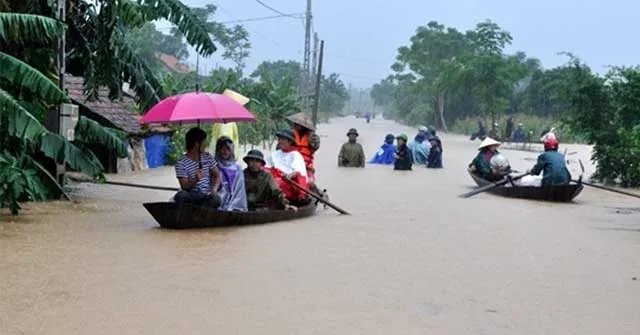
[362,36]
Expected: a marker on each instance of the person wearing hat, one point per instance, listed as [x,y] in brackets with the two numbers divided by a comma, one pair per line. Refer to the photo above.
[385,153]
[287,163]
[351,153]
[306,142]
[434,160]
[487,156]
[552,164]
[403,154]
[231,191]
[262,190]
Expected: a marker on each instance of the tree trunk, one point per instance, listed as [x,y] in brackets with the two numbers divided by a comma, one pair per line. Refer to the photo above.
[441,110]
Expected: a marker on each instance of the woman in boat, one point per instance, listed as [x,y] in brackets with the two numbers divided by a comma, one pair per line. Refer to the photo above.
[287,163]
[262,189]
[197,171]
[420,146]
[385,153]
[481,164]
[232,192]
[434,161]
[403,154]
[552,164]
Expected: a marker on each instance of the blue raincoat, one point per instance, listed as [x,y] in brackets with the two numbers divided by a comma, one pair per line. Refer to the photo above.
[384,155]
[232,191]
[420,149]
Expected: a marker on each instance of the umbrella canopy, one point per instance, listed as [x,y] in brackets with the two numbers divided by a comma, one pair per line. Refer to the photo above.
[197,107]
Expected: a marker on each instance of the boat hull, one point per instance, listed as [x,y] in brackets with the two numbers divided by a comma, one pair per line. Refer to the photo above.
[561,193]
[172,215]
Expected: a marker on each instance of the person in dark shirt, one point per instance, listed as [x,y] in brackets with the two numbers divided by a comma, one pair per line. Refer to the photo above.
[403,154]
[434,160]
[262,190]
[552,164]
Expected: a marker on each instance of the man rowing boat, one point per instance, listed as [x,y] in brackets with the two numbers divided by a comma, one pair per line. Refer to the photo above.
[306,142]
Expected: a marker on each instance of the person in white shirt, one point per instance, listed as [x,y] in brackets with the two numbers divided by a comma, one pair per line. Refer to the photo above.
[287,163]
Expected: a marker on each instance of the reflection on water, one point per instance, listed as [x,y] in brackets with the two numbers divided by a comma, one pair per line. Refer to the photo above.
[413,258]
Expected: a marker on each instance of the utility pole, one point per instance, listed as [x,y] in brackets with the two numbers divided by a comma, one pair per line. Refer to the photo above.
[305,83]
[316,100]
[314,58]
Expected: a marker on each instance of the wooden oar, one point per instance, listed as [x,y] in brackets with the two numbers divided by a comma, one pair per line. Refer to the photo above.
[315,196]
[149,187]
[609,189]
[492,186]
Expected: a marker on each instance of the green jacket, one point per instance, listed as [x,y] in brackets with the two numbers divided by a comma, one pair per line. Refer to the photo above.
[481,163]
[553,167]
[263,191]
[351,155]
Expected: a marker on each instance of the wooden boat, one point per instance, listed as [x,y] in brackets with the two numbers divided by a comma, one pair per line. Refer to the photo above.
[183,216]
[561,193]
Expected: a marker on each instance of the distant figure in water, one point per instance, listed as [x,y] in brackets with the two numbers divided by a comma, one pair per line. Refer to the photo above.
[385,153]
[481,133]
[368,116]
[403,154]
[434,161]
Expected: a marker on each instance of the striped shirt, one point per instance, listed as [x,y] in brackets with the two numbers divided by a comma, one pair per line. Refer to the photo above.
[187,168]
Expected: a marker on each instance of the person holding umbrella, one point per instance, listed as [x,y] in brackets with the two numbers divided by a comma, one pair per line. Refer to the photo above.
[197,172]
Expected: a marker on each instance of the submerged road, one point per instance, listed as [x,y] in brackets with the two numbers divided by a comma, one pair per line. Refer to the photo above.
[412,259]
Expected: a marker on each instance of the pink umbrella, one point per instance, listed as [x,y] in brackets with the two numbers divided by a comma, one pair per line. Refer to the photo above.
[196,107]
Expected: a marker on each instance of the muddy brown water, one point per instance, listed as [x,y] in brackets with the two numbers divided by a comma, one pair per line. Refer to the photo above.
[412,259]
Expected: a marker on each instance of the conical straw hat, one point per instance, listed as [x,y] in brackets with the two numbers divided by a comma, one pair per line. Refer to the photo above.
[303,120]
[488,142]
[239,98]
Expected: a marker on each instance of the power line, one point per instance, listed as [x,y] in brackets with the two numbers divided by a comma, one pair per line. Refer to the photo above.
[297,15]
[271,8]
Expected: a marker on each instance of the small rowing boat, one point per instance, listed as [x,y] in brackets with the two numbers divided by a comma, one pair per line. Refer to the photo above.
[172,215]
[560,193]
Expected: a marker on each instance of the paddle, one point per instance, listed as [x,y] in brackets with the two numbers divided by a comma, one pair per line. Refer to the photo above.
[315,196]
[604,187]
[492,186]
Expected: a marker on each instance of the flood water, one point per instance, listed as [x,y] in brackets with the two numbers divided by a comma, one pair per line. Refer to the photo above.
[412,259]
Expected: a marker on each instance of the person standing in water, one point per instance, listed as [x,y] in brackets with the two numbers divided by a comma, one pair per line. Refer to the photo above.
[403,154]
[434,161]
[385,153]
[351,153]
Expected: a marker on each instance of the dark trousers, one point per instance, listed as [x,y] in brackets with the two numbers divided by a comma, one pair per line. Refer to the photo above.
[197,198]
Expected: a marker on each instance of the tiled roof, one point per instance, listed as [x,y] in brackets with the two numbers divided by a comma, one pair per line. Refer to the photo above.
[173,63]
[121,114]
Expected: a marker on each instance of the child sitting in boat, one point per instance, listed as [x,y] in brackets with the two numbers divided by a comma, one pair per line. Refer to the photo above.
[232,192]
[262,190]
[403,157]
[287,163]
[385,153]
[197,172]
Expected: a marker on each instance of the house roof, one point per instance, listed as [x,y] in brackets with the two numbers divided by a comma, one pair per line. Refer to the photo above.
[119,114]
[173,63]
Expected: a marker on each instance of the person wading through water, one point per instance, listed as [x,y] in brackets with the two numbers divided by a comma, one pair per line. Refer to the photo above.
[262,190]
[351,153]
[403,157]
[306,142]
